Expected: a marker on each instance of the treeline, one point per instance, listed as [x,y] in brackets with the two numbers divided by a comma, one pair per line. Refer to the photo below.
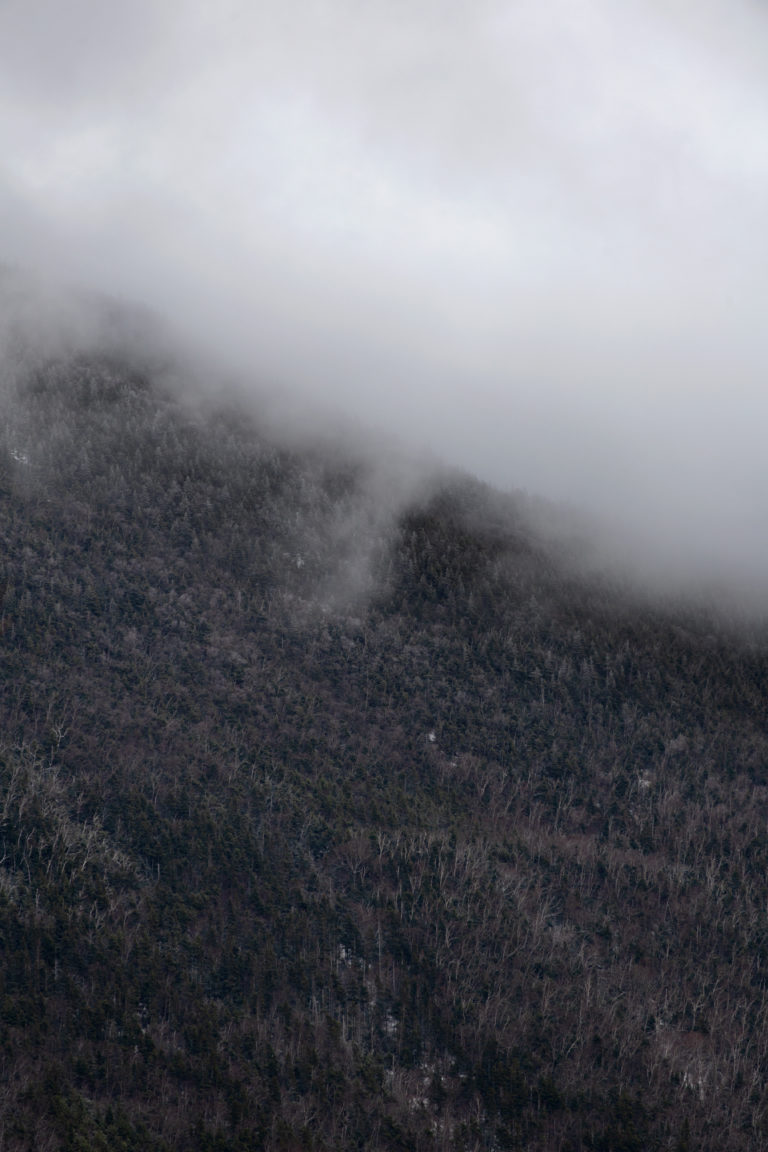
[322,829]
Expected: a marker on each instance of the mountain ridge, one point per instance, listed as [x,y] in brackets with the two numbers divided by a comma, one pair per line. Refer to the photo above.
[339,821]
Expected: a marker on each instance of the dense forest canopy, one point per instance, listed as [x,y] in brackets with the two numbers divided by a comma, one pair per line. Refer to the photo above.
[334,822]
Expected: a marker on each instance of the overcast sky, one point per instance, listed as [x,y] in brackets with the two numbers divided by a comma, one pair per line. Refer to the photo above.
[530,235]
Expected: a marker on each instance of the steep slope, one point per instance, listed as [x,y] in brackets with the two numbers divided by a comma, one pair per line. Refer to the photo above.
[327,824]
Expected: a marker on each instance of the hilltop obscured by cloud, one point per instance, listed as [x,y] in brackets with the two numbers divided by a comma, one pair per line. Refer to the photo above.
[527,238]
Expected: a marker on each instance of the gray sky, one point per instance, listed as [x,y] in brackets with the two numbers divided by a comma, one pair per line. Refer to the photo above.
[529,235]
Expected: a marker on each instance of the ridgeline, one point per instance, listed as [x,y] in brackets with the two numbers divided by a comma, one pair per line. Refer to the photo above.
[328,829]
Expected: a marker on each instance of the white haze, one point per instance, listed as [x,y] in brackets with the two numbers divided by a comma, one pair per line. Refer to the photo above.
[528,236]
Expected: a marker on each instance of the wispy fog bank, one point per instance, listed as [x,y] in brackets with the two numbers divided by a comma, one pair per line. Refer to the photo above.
[528,237]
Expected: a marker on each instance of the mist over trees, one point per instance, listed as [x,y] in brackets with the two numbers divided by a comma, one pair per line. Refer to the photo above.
[347,802]
[331,827]
[531,242]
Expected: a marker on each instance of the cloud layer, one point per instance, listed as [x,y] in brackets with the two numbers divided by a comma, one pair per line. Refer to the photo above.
[529,237]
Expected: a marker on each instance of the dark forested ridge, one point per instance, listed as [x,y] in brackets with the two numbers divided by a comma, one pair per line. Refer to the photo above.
[329,829]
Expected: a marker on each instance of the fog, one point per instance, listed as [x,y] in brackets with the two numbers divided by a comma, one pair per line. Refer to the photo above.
[527,238]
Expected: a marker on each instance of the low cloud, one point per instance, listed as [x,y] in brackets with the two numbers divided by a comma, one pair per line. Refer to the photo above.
[528,238]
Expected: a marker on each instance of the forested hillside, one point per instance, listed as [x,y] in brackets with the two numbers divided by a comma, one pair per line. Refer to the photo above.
[326,827]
